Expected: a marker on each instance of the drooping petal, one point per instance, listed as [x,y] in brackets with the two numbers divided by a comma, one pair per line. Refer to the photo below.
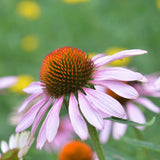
[135,114]
[120,88]
[105,103]
[148,104]
[39,118]
[119,129]
[53,120]
[118,73]
[34,87]
[77,121]
[8,81]
[4,146]
[42,138]
[89,113]
[119,55]
[29,117]
[105,133]
[28,101]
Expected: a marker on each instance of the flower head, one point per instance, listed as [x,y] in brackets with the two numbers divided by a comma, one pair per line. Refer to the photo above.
[29,9]
[68,76]
[17,148]
[134,113]
[76,150]
[65,71]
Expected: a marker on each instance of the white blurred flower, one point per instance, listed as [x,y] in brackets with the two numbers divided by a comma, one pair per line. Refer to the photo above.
[17,147]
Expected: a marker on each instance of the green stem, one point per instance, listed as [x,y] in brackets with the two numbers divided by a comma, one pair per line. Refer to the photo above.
[145,150]
[95,141]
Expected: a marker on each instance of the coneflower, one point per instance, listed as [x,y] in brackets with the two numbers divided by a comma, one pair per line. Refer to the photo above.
[68,76]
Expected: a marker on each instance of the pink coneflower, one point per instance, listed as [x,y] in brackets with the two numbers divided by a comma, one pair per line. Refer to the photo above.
[8,81]
[15,83]
[64,134]
[68,77]
[133,112]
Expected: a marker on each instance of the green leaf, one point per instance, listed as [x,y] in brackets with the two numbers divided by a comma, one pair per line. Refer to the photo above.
[10,155]
[114,154]
[128,122]
[144,144]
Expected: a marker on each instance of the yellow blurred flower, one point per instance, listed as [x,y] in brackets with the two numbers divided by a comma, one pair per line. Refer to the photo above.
[92,54]
[122,62]
[158,4]
[75,1]
[29,43]
[22,82]
[29,9]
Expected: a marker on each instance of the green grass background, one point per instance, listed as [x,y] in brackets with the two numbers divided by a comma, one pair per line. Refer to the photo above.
[93,27]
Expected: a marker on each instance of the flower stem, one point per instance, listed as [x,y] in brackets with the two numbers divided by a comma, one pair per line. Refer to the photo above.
[145,151]
[95,141]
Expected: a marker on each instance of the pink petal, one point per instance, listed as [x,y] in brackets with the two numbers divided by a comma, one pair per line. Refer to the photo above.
[119,55]
[53,119]
[89,113]
[157,84]
[97,56]
[117,73]
[33,87]
[39,117]
[105,103]
[28,101]
[122,89]
[42,135]
[29,117]
[99,87]
[77,121]
[148,104]
[119,130]
[135,114]
[105,133]
[8,81]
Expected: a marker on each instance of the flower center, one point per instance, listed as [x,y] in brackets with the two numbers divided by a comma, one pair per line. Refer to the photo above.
[65,70]
[76,150]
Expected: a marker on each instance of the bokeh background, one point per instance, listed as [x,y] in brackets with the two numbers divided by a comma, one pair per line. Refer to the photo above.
[30,31]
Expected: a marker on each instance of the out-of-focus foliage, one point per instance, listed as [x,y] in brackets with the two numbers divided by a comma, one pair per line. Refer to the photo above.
[29,33]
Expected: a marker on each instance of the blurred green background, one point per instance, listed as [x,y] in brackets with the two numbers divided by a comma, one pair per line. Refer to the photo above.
[93,26]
